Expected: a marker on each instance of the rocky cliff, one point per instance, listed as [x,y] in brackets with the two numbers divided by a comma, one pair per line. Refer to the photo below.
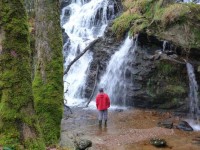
[159,78]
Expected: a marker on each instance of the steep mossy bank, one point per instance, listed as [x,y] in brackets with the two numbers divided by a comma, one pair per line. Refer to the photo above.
[19,128]
[167,20]
[48,76]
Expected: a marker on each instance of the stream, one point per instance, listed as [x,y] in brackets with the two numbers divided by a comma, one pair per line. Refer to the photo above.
[128,129]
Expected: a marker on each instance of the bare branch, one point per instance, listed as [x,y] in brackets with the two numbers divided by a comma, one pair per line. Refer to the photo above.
[81,54]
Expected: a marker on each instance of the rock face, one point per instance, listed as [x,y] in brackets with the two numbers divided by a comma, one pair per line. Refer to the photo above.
[158,70]
[160,78]
[183,125]
[102,50]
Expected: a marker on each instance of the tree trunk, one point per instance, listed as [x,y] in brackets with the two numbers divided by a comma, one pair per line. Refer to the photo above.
[48,78]
[18,121]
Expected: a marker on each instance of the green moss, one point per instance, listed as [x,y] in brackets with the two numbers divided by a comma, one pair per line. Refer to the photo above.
[48,77]
[33,144]
[175,89]
[174,13]
[139,26]
[156,17]
[16,98]
[196,39]
[166,69]
[167,85]
[123,23]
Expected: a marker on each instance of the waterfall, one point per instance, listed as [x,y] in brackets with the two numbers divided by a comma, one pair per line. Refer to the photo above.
[114,80]
[164,45]
[193,94]
[193,97]
[83,21]
[189,1]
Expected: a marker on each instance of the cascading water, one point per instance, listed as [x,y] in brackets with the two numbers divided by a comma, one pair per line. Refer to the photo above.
[85,22]
[114,80]
[164,45]
[189,1]
[193,97]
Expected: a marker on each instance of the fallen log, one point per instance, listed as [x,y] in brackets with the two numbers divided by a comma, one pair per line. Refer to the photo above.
[81,54]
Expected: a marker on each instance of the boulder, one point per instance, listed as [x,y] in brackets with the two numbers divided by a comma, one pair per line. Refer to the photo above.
[166,124]
[83,144]
[183,125]
[158,142]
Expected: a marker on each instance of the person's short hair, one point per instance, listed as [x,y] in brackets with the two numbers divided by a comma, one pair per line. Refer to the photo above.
[101,90]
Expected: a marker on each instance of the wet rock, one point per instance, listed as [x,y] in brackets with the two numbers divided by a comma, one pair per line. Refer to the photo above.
[64,3]
[165,124]
[65,36]
[157,57]
[183,125]
[118,110]
[83,144]
[136,87]
[158,142]
[174,56]
[142,100]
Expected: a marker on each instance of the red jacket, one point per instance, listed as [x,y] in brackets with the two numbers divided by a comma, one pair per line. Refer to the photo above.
[102,101]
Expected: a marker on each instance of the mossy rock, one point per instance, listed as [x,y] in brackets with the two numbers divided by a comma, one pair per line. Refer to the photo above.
[158,142]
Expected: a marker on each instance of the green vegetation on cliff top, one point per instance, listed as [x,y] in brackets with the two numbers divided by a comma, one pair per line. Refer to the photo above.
[161,18]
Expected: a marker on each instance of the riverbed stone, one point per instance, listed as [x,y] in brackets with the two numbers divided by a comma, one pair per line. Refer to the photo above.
[83,144]
[183,125]
[166,124]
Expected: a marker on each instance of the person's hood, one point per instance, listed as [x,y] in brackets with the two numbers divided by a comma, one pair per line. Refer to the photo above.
[101,95]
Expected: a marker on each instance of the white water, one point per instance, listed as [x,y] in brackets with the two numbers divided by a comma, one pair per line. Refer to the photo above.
[114,80]
[82,27]
[193,97]
[164,45]
[189,1]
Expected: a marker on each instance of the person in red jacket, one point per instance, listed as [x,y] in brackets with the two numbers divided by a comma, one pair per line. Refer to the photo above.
[102,104]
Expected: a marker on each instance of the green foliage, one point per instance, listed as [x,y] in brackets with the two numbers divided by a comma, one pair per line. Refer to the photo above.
[139,25]
[196,39]
[144,5]
[157,17]
[122,24]
[166,69]
[174,13]
[10,139]
[175,89]
[34,144]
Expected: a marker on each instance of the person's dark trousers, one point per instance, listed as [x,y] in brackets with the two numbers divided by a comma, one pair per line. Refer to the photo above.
[103,115]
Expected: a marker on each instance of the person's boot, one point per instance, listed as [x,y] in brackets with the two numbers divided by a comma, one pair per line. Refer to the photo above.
[105,122]
[100,123]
